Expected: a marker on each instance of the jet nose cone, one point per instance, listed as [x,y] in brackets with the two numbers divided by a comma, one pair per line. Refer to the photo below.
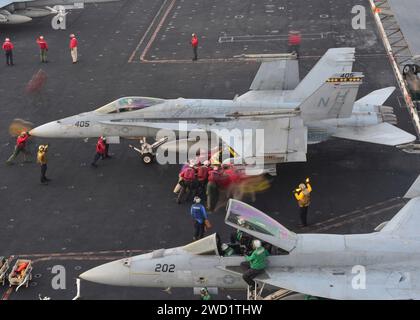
[48,130]
[116,273]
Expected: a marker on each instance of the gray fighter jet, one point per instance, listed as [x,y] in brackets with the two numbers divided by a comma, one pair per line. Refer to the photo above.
[289,113]
[22,11]
[381,265]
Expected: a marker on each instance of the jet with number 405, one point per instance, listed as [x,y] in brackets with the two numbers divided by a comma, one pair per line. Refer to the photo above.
[381,265]
[23,11]
[276,118]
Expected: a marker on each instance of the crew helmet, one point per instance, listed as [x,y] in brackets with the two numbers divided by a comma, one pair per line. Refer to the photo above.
[256,244]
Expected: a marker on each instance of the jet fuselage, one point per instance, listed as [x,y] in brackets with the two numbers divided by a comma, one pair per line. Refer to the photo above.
[335,256]
[194,112]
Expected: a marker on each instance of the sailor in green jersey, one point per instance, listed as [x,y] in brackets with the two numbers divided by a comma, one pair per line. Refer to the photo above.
[255,263]
[204,294]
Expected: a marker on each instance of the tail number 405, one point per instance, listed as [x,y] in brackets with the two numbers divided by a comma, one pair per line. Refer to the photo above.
[165,268]
[82,124]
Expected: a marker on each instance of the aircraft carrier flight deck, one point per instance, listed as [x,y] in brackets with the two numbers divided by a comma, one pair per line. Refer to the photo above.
[88,216]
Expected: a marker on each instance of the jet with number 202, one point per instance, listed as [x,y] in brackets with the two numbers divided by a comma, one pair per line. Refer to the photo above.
[387,262]
[289,112]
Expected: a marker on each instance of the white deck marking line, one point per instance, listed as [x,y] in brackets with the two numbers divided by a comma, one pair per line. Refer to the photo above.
[143,59]
[363,216]
[356,215]
[86,253]
[238,60]
[159,26]
[354,212]
[271,37]
[97,255]
[147,31]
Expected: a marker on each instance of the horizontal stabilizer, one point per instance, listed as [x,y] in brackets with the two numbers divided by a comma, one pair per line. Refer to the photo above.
[382,133]
[414,190]
[377,97]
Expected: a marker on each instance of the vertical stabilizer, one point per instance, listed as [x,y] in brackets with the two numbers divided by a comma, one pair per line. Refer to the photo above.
[335,60]
[334,99]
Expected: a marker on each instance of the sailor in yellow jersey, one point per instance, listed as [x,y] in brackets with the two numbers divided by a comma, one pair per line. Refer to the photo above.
[303,197]
[42,160]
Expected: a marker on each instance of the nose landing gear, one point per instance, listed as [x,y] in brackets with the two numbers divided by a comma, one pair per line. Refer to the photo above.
[148,151]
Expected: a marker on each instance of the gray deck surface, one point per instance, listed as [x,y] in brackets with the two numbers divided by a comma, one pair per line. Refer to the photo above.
[124,205]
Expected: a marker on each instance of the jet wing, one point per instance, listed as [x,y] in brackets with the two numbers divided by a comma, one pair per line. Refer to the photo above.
[336,283]
[277,75]
[280,139]
[382,133]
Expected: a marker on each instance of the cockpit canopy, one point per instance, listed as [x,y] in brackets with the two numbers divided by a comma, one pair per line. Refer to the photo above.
[128,104]
[246,218]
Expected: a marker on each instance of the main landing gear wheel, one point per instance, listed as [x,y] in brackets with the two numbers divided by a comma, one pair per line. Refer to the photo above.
[147,158]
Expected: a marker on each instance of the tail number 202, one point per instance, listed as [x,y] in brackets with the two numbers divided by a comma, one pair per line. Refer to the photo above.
[165,268]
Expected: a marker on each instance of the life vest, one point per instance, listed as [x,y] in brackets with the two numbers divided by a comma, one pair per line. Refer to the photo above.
[188,174]
[202,173]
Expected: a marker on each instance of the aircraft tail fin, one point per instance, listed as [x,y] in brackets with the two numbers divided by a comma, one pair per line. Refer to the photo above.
[335,60]
[334,98]
[414,190]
